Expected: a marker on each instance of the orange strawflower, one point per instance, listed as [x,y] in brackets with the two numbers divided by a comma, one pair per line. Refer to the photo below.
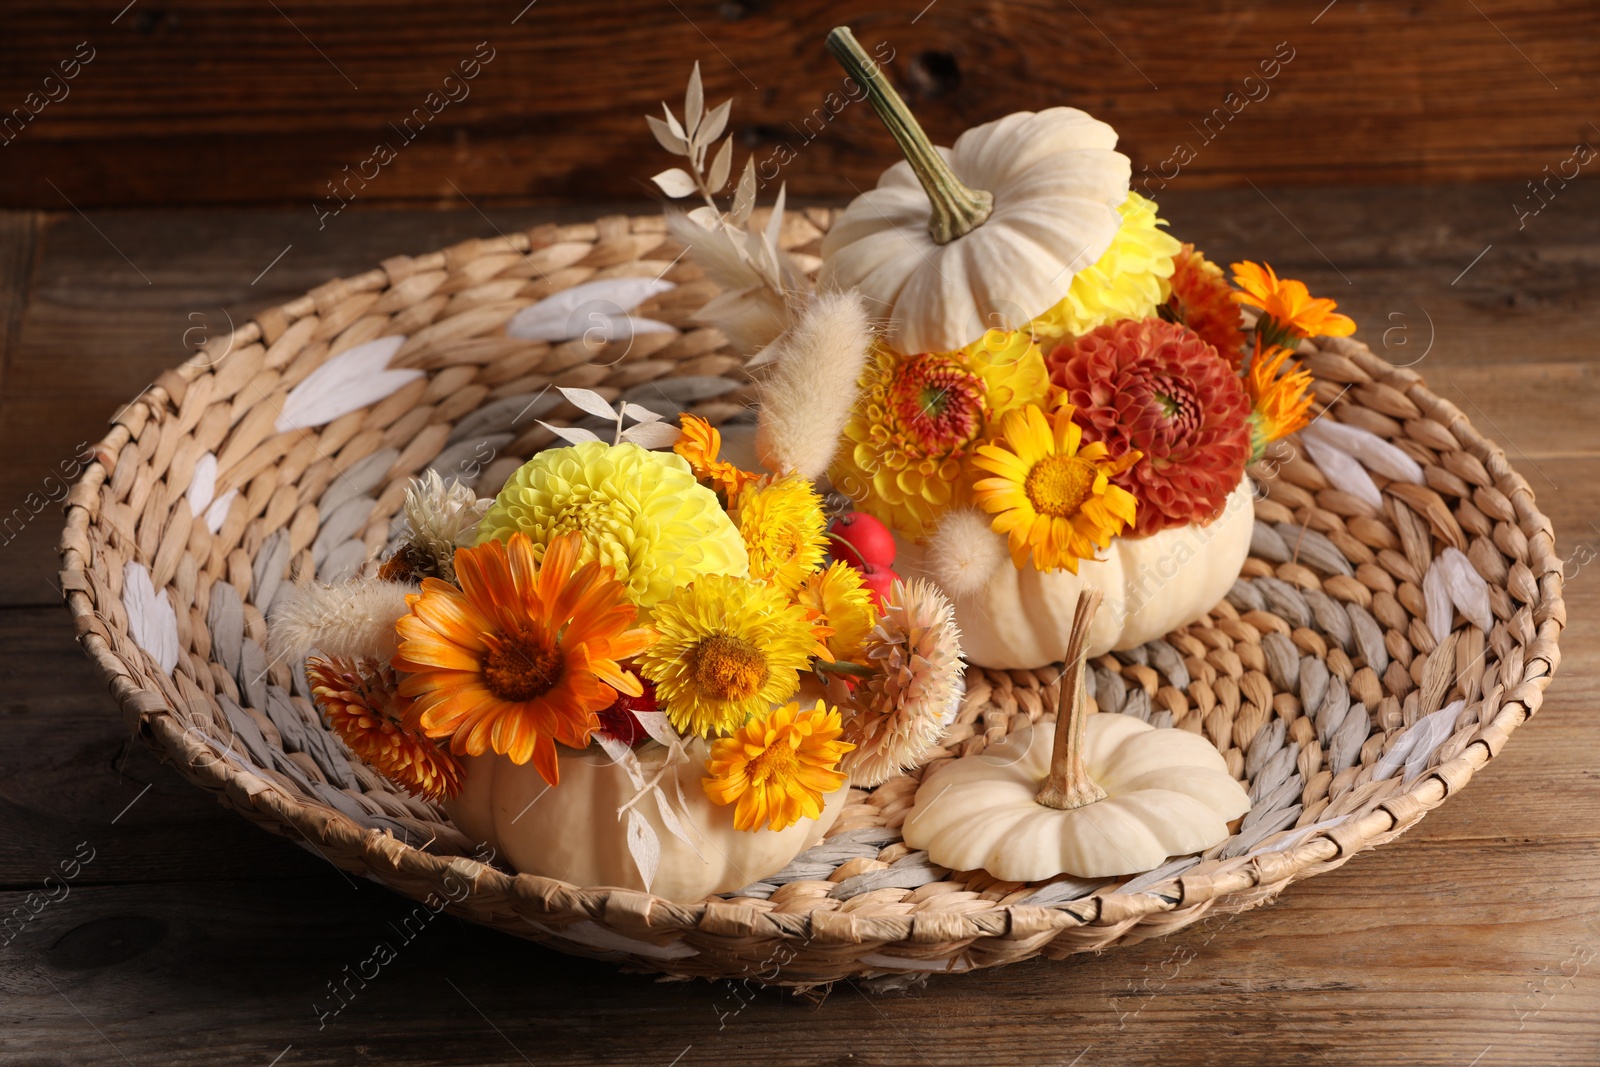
[778,766]
[523,655]
[700,444]
[1288,310]
[361,705]
[1203,301]
[1279,403]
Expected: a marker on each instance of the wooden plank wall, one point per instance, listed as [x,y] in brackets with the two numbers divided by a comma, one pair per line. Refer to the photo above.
[239,102]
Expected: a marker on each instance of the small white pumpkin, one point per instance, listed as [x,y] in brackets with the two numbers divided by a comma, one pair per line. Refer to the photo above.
[987,234]
[1112,796]
[572,831]
[1152,585]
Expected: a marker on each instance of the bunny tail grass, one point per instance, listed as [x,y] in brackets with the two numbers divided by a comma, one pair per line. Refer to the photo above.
[807,393]
[355,619]
[964,553]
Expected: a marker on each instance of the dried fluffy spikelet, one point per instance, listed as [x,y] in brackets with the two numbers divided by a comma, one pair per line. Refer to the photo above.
[355,620]
[964,552]
[747,311]
[807,393]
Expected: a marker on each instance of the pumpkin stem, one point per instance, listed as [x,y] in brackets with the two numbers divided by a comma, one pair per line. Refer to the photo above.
[957,208]
[1069,785]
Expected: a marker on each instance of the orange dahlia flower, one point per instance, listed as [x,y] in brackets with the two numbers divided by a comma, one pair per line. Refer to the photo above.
[1203,301]
[360,703]
[523,655]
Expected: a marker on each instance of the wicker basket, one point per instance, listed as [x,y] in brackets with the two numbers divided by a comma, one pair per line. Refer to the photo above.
[1321,660]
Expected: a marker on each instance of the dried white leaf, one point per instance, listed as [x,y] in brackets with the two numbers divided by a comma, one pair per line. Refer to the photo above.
[674,825]
[694,102]
[706,217]
[666,138]
[1424,735]
[621,754]
[1468,591]
[152,623]
[675,182]
[589,402]
[673,124]
[1436,597]
[640,414]
[644,846]
[1341,469]
[715,122]
[348,382]
[655,724]
[574,435]
[217,513]
[744,197]
[1379,455]
[1440,725]
[571,312]
[652,435]
[775,223]
[203,484]
[721,164]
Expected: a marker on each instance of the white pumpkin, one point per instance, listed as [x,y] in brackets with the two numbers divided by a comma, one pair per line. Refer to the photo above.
[1112,796]
[986,234]
[572,832]
[1152,585]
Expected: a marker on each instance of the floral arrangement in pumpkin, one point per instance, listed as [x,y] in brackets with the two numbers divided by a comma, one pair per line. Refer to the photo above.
[618,594]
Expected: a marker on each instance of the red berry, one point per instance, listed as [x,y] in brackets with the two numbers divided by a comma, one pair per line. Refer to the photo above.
[859,540]
[618,720]
[880,580]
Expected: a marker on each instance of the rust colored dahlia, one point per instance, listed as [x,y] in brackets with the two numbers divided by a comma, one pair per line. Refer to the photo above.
[1203,300]
[1156,387]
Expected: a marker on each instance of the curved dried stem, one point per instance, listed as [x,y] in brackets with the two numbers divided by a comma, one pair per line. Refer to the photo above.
[1068,785]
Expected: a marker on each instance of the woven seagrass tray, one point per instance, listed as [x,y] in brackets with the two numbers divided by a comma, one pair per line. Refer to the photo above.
[1354,678]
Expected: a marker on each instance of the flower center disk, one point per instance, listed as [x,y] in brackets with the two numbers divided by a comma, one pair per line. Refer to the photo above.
[778,762]
[938,403]
[521,665]
[727,668]
[1058,485]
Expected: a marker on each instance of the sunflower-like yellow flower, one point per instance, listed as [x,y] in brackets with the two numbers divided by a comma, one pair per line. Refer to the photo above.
[699,445]
[919,417]
[1051,496]
[727,649]
[641,513]
[1128,281]
[778,767]
[784,529]
[1279,402]
[844,605]
[1288,310]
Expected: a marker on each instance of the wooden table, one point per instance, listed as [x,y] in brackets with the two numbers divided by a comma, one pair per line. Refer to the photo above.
[191,937]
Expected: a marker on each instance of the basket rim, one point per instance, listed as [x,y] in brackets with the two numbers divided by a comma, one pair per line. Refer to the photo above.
[157,720]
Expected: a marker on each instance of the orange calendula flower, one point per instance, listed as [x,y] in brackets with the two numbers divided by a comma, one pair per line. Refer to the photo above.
[1279,401]
[778,766]
[523,655]
[1288,310]
[1202,300]
[1052,494]
[361,705]
[700,444]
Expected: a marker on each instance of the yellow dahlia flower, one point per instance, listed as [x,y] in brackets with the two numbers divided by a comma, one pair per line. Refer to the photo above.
[918,419]
[726,649]
[778,767]
[641,513]
[784,529]
[1129,281]
[843,605]
[1053,497]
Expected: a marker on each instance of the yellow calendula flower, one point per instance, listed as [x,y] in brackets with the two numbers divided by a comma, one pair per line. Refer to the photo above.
[784,529]
[1051,493]
[1128,281]
[641,513]
[727,648]
[842,604]
[1279,402]
[778,767]
[918,419]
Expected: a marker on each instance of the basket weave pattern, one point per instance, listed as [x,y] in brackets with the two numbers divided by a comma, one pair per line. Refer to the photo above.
[1319,662]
